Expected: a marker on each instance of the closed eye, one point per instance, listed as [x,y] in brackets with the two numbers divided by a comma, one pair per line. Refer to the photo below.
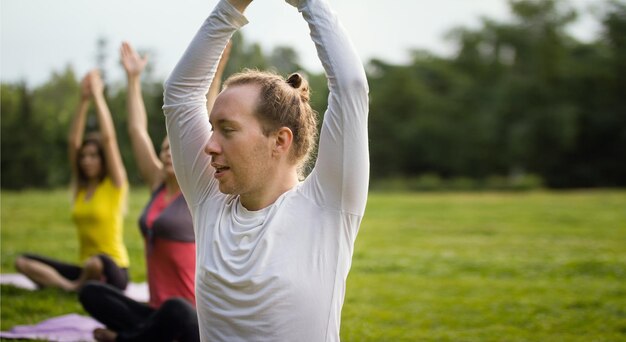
[225,127]
[226,130]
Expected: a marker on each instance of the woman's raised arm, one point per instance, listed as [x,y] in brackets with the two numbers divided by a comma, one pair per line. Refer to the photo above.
[144,152]
[115,166]
[216,85]
[77,129]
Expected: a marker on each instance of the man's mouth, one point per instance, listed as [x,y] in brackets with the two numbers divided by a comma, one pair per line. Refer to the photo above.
[219,169]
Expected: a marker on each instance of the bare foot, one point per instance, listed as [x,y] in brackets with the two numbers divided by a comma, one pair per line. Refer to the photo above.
[71,286]
[104,335]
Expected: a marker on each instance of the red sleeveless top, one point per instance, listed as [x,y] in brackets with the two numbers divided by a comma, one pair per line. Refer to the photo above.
[170,248]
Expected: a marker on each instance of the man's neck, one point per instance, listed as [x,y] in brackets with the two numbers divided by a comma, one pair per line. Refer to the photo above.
[278,185]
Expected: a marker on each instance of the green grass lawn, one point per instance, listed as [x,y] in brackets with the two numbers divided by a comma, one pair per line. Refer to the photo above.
[536,266]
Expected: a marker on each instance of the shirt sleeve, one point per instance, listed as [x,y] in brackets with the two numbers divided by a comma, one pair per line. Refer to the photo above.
[340,177]
[184,100]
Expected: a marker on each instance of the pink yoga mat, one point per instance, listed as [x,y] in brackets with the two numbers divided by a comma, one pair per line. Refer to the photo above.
[66,328]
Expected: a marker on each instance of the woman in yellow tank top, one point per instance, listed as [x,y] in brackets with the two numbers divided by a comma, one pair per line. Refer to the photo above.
[99,186]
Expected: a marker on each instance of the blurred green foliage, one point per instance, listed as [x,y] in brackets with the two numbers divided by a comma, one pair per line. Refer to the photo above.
[521,99]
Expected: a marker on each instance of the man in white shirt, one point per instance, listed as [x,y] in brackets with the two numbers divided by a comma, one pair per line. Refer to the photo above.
[273,251]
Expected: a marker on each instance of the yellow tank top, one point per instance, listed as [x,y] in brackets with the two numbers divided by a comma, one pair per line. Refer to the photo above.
[99,221]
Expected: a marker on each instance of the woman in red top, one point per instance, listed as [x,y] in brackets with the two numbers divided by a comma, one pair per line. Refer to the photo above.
[167,229]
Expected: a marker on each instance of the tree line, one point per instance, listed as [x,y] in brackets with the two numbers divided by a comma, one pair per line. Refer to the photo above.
[519,98]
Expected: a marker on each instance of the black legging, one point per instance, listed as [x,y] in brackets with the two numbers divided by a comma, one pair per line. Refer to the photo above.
[175,319]
[113,274]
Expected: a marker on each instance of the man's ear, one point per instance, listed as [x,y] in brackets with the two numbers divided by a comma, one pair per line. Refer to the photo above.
[283,138]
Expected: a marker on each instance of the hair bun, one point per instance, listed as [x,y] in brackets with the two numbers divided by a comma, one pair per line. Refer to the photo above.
[295,80]
[299,83]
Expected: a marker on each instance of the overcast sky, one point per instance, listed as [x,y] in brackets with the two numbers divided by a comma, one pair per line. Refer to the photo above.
[40,36]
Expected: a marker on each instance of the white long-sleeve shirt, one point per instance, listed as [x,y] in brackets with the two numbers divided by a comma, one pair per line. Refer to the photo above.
[279,273]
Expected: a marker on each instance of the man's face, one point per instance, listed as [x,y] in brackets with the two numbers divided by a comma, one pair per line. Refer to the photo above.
[240,153]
